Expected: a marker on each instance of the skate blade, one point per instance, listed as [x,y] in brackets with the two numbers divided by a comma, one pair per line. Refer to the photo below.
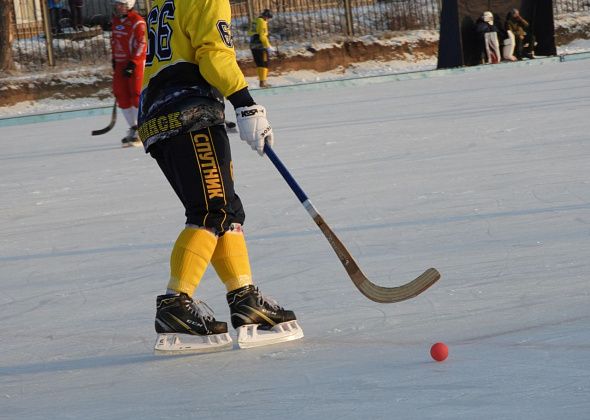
[170,344]
[250,336]
[131,144]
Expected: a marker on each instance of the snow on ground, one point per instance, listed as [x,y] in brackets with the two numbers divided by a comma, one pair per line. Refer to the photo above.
[363,69]
[369,68]
[483,175]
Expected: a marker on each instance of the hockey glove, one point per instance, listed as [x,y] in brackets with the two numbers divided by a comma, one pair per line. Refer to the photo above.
[129,69]
[254,127]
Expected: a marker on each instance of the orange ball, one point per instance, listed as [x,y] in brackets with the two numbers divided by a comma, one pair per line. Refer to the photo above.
[439,351]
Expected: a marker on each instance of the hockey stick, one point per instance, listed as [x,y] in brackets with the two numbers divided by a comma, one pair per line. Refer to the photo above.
[369,289]
[111,124]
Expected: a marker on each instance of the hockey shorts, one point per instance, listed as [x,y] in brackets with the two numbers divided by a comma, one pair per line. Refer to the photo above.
[127,89]
[198,166]
[260,57]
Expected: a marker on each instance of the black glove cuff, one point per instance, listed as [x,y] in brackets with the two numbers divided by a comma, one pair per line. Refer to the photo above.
[241,98]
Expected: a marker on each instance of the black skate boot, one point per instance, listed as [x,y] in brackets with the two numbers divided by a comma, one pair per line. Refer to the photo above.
[132,138]
[248,306]
[186,326]
[180,314]
[260,321]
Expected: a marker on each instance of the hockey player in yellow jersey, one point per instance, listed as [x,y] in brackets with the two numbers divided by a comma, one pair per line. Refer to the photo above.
[260,46]
[190,68]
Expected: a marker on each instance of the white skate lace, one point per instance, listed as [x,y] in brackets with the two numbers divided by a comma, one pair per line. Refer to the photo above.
[267,301]
[200,309]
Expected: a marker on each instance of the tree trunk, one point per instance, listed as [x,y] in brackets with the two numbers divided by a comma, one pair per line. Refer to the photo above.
[6,13]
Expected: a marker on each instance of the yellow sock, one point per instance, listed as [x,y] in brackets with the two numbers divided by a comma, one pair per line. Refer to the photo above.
[231,261]
[190,257]
[262,73]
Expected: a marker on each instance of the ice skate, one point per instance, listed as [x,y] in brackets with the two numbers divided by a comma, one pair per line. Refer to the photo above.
[132,138]
[186,326]
[260,321]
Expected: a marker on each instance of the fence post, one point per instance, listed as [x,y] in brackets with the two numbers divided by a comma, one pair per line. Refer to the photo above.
[250,13]
[7,31]
[48,34]
[348,14]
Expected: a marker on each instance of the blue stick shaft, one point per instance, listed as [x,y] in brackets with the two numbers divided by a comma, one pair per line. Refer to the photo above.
[285,173]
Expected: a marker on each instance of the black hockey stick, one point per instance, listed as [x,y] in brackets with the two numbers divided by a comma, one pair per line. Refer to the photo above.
[111,124]
[369,289]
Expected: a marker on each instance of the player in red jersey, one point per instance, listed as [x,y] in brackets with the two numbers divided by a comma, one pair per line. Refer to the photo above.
[128,47]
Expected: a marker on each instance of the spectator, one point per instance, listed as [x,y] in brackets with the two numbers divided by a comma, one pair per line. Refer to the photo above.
[55,14]
[487,38]
[519,26]
[508,46]
[260,46]
[76,13]
[128,47]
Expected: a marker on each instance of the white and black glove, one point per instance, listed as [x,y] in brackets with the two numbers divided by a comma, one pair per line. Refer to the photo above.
[254,127]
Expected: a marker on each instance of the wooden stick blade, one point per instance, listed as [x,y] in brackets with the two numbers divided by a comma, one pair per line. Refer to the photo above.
[372,291]
[406,291]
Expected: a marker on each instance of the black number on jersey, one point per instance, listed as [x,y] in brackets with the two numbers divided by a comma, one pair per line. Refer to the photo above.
[160,33]
[225,32]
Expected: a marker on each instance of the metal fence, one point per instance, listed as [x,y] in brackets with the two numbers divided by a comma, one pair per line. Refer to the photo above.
[315,20]
[44,32]
[570,6]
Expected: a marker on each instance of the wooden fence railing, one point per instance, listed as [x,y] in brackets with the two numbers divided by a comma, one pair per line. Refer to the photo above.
[303,21]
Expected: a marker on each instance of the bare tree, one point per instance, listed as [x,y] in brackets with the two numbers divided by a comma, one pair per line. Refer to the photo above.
[6,13]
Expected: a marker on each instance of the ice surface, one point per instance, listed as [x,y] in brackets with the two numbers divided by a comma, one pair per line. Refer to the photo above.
[483,175]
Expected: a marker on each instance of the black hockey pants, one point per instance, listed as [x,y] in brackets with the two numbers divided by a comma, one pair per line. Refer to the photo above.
[198,166]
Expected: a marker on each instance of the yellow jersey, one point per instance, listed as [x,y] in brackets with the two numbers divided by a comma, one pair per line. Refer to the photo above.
[190,67]
[259,34]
